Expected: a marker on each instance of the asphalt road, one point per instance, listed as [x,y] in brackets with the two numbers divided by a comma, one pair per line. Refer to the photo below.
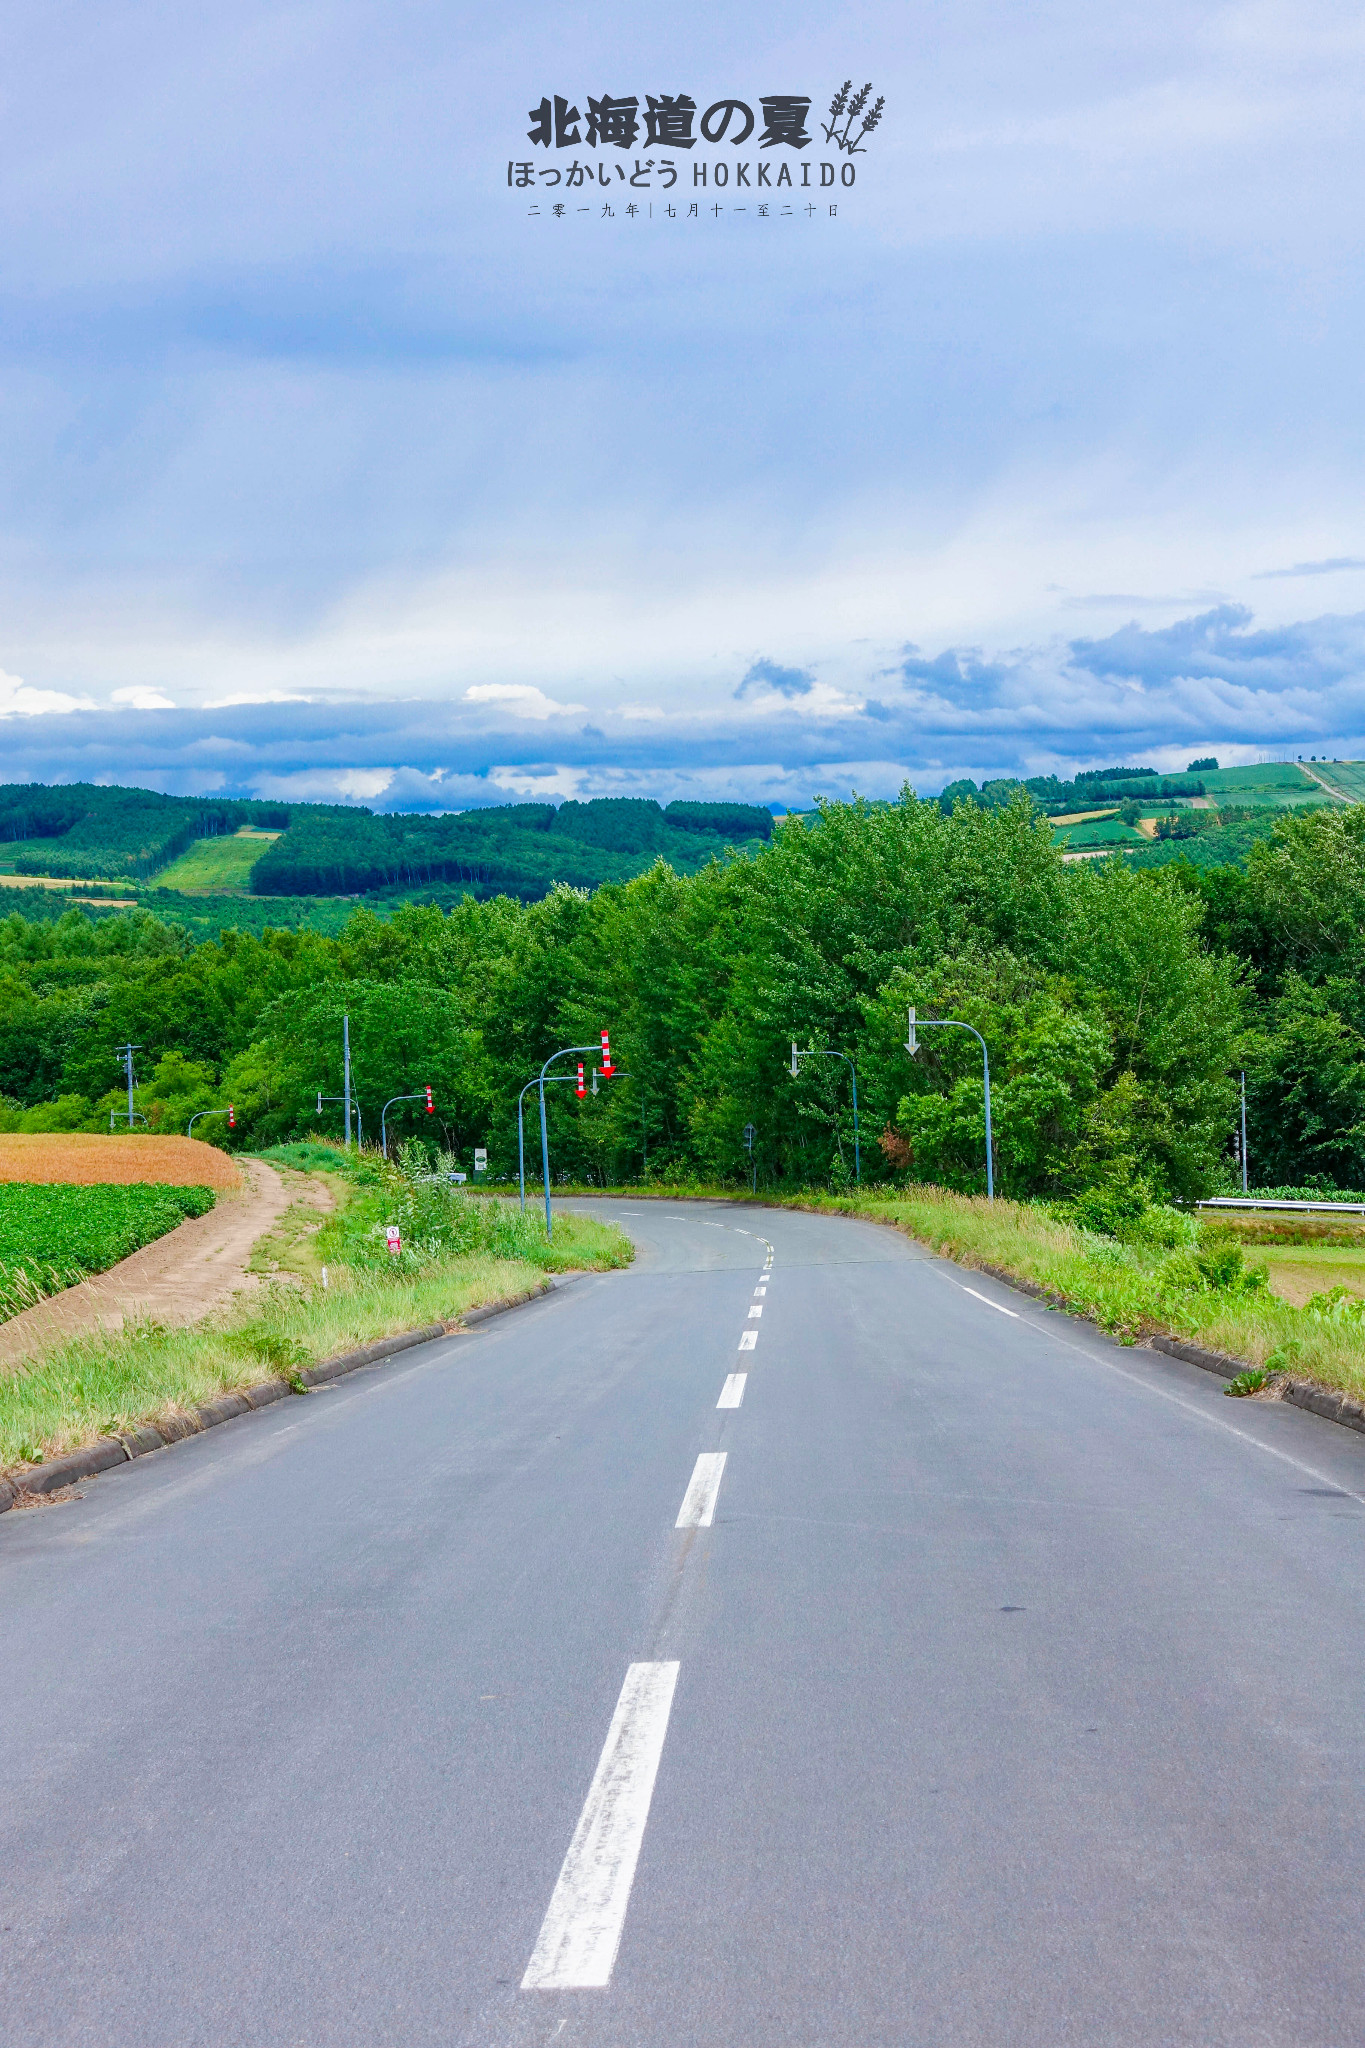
[1001,1686]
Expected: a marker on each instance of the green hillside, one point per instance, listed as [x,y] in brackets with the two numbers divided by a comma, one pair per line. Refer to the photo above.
[184,853]
[222,866]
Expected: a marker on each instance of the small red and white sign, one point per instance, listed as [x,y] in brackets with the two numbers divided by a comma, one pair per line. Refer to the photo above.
[394,1238]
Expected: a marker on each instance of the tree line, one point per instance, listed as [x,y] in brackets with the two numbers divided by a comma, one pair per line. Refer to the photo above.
[1119,1008]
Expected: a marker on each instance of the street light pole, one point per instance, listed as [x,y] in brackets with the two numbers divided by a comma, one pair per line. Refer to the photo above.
[422,1095]
[1244,1131]
[521,1132]
[565,1051]
[829,1054]
[955,1024]
[189,1128]
[346,1065]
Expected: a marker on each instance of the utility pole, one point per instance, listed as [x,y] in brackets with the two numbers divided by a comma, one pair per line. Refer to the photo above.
[125,1054]
[346,1063]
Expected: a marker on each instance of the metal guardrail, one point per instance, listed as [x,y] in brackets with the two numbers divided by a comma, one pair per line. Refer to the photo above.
[1300,1208]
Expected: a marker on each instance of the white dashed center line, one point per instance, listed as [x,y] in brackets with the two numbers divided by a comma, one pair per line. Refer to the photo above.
[732,1393]
[755,1312]
[581,1931]
[749,1341]
[699,1501]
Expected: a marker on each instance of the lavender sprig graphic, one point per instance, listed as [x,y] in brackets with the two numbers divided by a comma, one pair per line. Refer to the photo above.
[857,125]
[836,108]
[870,120]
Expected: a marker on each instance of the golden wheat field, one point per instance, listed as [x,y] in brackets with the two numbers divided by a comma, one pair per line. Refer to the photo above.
[86,1159]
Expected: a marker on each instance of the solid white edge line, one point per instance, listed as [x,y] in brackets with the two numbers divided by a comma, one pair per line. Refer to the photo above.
[993,1304]
[1150,1386]
[749,1340]
[581,1931]
[699,1501]
[732,1393]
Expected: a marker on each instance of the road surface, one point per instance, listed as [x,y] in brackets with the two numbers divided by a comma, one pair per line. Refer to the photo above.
[954,1677]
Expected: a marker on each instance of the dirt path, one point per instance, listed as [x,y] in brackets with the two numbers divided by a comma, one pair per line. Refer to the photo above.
[179,1279]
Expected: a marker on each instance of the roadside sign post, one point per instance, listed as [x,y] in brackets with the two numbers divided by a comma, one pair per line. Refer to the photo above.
[749,1135]
[956,1024]
[393,1237]
[480,1159]
[830,1054]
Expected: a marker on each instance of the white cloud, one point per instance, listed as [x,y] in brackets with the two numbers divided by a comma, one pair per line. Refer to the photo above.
[521,699]
[17,700]
[141,697]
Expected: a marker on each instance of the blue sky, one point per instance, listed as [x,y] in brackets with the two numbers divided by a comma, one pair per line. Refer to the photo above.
[327,469]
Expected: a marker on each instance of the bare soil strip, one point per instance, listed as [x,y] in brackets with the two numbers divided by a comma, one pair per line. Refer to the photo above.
[181,1278]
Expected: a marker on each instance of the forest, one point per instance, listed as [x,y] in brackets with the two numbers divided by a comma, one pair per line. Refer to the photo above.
[1118,1006]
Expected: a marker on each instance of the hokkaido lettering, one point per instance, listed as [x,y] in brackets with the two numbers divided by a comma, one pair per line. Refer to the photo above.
[644,131]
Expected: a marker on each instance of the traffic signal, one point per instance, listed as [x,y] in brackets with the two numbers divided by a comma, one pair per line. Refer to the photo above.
[582,1090]
[232,1116]
[431,1106]
[607,1068]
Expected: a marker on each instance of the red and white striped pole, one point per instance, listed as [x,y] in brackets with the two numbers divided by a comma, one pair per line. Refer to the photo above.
[582,1087]
[607,1068]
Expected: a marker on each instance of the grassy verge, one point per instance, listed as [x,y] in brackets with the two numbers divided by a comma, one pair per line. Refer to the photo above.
[98,1385]
[1204,1289]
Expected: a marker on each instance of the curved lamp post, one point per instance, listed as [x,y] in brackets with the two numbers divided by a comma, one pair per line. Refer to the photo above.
[521,1132]
[422,1095]
[956,1024]
[829,1054]
[564,1053]
[228,1113]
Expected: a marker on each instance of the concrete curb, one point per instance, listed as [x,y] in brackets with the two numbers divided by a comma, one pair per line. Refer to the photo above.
[110,1451]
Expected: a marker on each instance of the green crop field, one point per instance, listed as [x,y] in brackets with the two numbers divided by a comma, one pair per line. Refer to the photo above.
[1345,778]
[1279,783]
[1099,832]
[52,1237]
[216,867]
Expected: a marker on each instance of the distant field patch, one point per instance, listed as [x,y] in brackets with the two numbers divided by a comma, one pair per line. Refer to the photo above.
[52,1237]
[1102,832]
[84,1159]
[1342,778]
[218,867]
[1281,783]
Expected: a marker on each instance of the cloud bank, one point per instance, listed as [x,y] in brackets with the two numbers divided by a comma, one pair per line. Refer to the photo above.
[1212,682]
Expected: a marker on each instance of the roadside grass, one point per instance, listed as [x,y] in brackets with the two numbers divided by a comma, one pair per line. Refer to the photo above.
[1206,1289]
[99,1385]
[291,1248]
